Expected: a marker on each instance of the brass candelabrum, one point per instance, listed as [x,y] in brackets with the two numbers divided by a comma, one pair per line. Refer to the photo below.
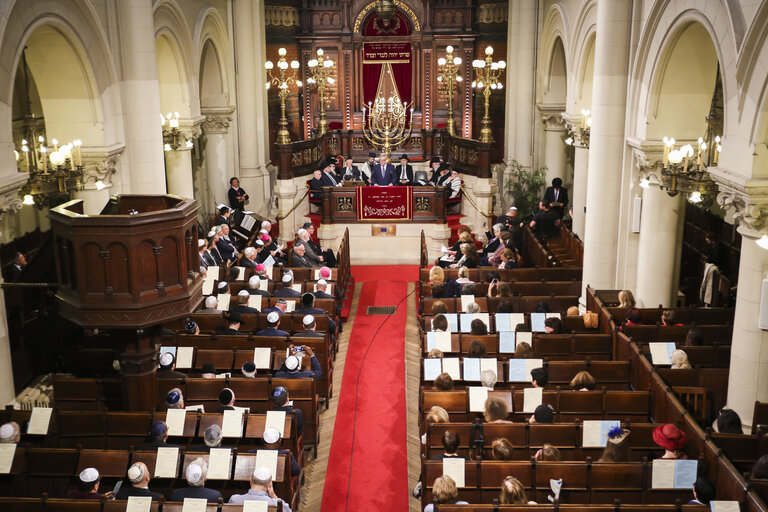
[487,75]
[52,174]
[579,136]
[172,136]
[388,125]
[447,78]
[322,71]
[282,80]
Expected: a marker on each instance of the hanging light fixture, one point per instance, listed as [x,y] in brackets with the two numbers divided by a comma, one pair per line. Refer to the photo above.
[385,10]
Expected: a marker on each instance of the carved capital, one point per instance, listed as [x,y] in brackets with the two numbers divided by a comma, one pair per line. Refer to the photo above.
[101,164]
[746,199]
[217,120]
[492,13]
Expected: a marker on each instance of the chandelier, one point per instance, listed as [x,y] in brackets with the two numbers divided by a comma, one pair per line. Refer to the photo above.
[385,10]
[53,172]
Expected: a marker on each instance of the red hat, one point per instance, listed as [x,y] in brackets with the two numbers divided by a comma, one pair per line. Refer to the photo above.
[670,437]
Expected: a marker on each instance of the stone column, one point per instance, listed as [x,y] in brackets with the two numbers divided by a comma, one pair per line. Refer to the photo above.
[250,55]
[10,204]
[178,170]
[519,123]
[554,149]
[288,192]
[141,98]
[579,188]
[215,128]
[658,253]
[748,376]
[606,144]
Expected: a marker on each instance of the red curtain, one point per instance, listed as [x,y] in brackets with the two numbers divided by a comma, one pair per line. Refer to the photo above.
[402,74]
[371,74]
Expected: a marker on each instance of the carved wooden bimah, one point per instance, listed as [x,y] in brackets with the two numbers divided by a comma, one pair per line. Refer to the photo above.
[126,271]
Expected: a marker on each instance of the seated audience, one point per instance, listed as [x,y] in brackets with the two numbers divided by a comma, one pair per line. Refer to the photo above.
[451,443]
[287,291]
[233,325]
[167,368]
[291,367]
[505,306]
[542,414]
[553,325]
[282,402]
[729,422]
[158,436]
[703,492]
[436,414]
[488,379]
[226,400]
[508,259]
[195,476]
[463,276]
[548,453]
[616,446]
[633,317]
[539,377]
[212,438]
[583,381]
[668,318]
[513,493]
[477,349]
[444,382]
[473,308]
[444,492]
[435,353]
[496,410]
[208,371]
[502,449]
[139,477]
[626,299]
[694,338]
[174,399]
[272,441]
[308,308]
[273,322]
[261,490]
[242,307]
[248,369]
[478,327]
[211,306]
[494,258]
[672,439]
[440,323]
[436,275]
[523,350]
[468,289]
[87,486]
[310,324]
[679,360]
[439,307]
[10,433]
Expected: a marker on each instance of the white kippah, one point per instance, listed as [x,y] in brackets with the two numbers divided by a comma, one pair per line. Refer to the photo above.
[253,282]
[322,282]
[135,474]
[7,432]
[301,231]
[193,473]
[262,473]
[243,293]
[200,242]
[210,302]
[89,475]
[292,362]
[263,231]
[287,278]
[271,435]
[265,222]
[308,319]
[273,317]
[166,359]
[212,233]
[222,285]
[260,243]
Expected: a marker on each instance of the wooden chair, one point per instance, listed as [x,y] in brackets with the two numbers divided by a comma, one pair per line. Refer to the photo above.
[759,416]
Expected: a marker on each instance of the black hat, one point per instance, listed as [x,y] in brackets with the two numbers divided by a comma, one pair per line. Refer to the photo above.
[371,154]
[329,161]
[435,160]
[543,414]
[307,299]
[209,368]
[279,396]
[226,396]
[404,157]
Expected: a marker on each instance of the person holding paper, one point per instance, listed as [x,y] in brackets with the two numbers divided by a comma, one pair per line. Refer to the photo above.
[233,324]
[88,486]
[496,410]
[703,492]
[308,308]
[138,476]
[290,367]
[444,491]
[195,475]
[287,290]
[242,307]
[158,436]
[282,402]
[616,446]
[168,367]
[227,400]
[236,195]
[672,439]
[273,322]
[310,323]
[272,441]
[261,490]
[10,433]
[211,306]
[174,399]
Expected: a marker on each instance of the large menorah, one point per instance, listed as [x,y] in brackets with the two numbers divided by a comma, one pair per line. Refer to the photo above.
[388,125]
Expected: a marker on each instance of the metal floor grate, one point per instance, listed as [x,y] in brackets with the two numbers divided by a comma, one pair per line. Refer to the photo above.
[381,310]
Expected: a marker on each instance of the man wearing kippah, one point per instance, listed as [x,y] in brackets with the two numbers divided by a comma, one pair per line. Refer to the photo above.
[158,436]
[195,474]
[273,321]
[272,441]
[88,486]
[321,293]
[308,308]
[291,367]
[242,307]
[212,438]
[261,490]
[174,399]
[10,433]
[286,290]
[138,476]
[255,281]
[168,367]
[309,328]
[282,402]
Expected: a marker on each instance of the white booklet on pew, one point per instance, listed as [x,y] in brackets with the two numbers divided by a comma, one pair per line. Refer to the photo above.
[267,459]
[262,357]
[255,506]
[276,419]
[475,366]
[507,344]
[661,352]
[39,421]
[290,306]
[166,461]
[468,318]
[432,368]
[240,273]
[208,282]
[439,340]
[673,474]
[7,452]
[219,463]
[254,301]
[532,399]
[477,397]
[466,300]
[524,337]
[184,357]
[506,322]
[138,504]
[595,432]
[451,367]
[213,273]
[232,424]
[454,468]
[537,322]
[223,300]
[174,420]
[194,505]
[453,322]
[724,506]
[520,369]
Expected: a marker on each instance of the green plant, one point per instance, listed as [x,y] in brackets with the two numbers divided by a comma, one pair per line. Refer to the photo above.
[525,187]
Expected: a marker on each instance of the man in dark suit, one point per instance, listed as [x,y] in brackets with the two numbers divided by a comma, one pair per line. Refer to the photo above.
[225,246]
[404,172]
[286,290]
[316,183]
[291,367]
[237,196]
[309,331]
[435,165]
[556,197]
[242,307]
[329,258]
[227,400]
[320,292]
[383,173]
[353,172]
[168,367]
[195,475]
[138,475]
[255,281]
[280,306]
[158,437]
[329,178]
[308,308]
[224,214]
[233,325]
[273,322]
[17,267]
[444,174]
[280,400]
[299,258]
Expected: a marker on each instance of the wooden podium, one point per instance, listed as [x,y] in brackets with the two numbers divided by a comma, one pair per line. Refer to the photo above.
[340,205]
[125,272]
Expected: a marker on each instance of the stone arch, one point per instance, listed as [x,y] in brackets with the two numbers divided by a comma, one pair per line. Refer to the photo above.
[582,58]
[365,8]
[173,46]
[554,69]
[664,26]
[212,49]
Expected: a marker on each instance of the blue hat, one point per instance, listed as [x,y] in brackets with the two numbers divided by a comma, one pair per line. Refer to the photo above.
[158,428]
[190,327]
[279,395]
[173,397]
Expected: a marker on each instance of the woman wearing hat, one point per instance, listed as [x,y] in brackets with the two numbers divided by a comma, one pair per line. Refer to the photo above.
[616,446]
[672,439]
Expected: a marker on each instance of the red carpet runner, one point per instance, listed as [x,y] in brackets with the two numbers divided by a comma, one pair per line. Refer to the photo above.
[379,476]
